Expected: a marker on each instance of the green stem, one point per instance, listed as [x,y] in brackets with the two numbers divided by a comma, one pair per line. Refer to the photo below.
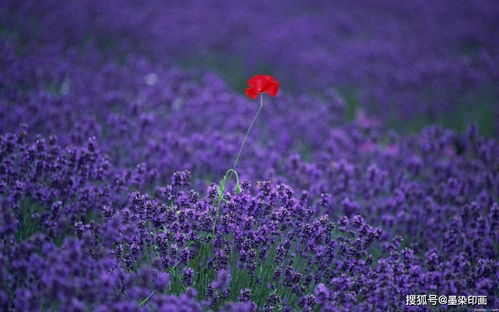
[231,171]
[247,133]
[146,299]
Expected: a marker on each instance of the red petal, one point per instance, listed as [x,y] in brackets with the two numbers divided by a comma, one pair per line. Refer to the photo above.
[251,92]
[272,88]
[259,82]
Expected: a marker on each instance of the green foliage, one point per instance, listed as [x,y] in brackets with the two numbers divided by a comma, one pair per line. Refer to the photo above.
[29,225]
[240,278]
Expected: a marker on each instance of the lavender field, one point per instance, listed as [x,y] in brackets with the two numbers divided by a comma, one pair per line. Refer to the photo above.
[370,182]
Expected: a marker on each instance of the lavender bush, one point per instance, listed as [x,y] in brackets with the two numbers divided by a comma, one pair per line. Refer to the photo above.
[111,151]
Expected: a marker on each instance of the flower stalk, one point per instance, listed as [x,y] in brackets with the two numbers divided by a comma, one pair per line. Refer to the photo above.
[257,85]
[222,188]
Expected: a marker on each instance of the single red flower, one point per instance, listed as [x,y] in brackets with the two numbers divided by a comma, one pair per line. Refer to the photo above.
[261,84]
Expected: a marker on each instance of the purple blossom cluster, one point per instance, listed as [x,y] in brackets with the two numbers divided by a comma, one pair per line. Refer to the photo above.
[97,242]
[110,154]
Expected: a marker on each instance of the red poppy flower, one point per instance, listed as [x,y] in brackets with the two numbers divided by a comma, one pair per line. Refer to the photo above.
[262,84]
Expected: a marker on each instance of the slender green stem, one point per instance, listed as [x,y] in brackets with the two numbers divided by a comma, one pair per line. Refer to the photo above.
[248,132]
[231,171]
[146,299]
